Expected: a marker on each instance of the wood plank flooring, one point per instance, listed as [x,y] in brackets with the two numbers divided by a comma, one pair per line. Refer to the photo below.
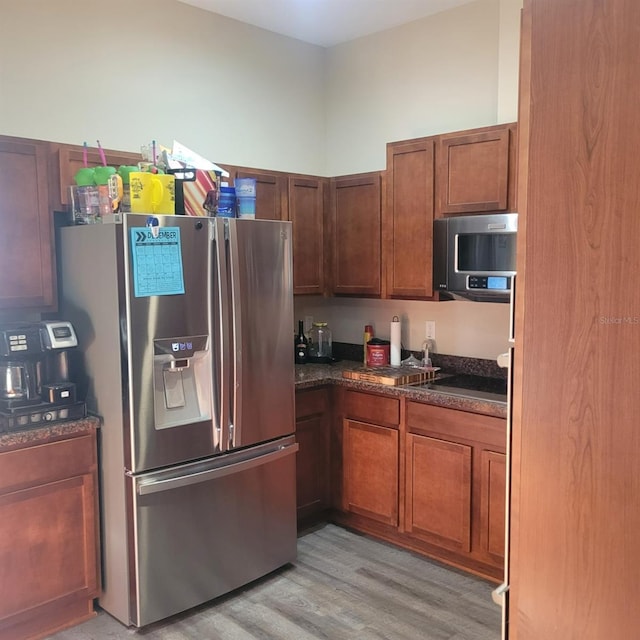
[343,586]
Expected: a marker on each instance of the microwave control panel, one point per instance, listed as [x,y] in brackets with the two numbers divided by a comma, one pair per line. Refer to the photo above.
[489,283]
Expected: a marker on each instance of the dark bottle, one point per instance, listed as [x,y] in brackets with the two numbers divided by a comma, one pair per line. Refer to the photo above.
[301,345]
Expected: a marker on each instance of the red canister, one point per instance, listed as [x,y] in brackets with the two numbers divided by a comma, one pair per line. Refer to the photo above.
[378,352]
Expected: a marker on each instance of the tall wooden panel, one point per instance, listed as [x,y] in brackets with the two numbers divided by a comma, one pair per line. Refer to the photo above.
[27,260]
[356,230]
[575,556]
[408,219]
[306,211]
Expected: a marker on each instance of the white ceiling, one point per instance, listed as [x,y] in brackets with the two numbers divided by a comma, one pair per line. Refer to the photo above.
[326,22]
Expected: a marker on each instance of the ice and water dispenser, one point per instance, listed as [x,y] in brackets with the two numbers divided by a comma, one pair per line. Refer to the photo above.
[181,380]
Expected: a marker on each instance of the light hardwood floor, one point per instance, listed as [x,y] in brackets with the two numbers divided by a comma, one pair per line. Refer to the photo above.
[343,586]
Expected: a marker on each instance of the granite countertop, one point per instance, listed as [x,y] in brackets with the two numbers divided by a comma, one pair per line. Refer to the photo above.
[314,375]
[47,433]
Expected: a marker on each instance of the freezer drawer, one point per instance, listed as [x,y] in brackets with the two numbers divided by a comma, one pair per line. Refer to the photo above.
[204,529]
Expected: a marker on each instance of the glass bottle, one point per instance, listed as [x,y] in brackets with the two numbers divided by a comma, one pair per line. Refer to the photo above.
[320,347]
[301,345]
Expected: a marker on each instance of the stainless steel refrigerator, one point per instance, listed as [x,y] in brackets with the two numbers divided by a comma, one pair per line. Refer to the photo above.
[187,326]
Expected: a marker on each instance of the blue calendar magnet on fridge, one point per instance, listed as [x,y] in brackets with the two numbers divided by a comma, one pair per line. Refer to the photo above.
[157,261]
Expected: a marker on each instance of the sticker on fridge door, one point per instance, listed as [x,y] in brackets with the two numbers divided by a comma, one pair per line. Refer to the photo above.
[157,261]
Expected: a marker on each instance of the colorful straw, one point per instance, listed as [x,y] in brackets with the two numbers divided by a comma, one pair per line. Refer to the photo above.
[153,152]
[84,155]
[102,156]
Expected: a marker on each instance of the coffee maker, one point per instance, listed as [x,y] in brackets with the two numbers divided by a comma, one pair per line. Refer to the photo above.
[34,375]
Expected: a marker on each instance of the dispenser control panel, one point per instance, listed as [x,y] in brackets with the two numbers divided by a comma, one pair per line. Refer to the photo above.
[180,347]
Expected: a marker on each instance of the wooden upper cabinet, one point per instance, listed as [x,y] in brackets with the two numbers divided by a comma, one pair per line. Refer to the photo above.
[306,212]
[356,227]
[271,192]
[475,171]
[408,219]
[66,159]
[27,259]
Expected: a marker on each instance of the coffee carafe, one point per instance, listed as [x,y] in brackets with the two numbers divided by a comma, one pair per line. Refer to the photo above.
[20,364]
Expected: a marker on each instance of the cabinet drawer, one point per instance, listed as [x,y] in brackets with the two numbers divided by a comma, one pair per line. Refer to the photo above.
[46,463]
[451,423]
[371,408]
[311,403]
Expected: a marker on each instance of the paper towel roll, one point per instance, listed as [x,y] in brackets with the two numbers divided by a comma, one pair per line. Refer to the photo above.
[396,342]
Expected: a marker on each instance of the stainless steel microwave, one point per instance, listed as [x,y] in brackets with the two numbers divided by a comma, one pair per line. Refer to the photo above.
[474,257]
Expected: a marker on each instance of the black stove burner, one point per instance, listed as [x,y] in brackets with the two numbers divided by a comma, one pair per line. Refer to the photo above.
[474,383]
[470,386]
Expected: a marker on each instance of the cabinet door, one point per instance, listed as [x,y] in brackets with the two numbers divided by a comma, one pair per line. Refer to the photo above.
[408,219]
[312,464]
[475,171]
[67,159]
[492,504]
[306,206]
[438,492]
[26,246]
[370,481]
[48,537]
[271,193]
[356,231]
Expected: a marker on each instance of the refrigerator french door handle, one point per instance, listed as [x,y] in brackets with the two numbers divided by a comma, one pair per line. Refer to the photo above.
[223,356]
[146,488]
[512,312]
[235,427]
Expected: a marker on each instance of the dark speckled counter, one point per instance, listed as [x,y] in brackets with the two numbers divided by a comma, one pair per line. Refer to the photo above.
[315,375]
[49,433]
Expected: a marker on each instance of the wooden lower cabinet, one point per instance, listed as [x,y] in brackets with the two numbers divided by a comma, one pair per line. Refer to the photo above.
[493,469]
[438,491]
[455,477]
[49,553]
[369,432]
[312,464]
[371,471]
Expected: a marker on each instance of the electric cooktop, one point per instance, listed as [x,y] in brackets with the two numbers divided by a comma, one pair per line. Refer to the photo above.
[470,386]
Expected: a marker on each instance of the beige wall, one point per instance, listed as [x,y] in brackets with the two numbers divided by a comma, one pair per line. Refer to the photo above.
[472,329]
[128,72]
[427,77]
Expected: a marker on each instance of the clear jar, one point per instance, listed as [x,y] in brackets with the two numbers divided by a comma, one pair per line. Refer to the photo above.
[320,341]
